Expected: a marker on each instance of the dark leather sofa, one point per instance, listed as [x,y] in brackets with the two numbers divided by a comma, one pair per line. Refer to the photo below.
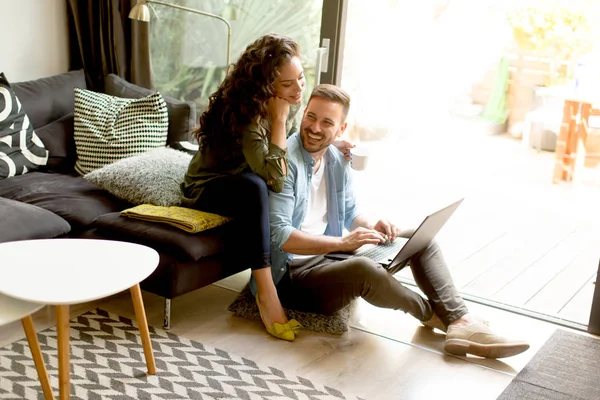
[57,202]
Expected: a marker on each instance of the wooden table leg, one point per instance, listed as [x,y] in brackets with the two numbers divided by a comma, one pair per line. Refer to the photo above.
[38,360]
[140,315]
[64,370]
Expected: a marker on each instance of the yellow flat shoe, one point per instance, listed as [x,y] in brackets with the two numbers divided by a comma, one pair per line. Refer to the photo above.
[294,326]
[280,331]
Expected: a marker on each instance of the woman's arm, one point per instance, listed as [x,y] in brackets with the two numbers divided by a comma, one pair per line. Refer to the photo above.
[279,110]
[278,134]
[267,158]
[294,119]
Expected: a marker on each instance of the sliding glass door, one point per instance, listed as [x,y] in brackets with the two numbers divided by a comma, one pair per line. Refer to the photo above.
[189,51]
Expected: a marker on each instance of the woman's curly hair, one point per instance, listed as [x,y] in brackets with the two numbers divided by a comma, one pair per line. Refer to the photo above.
[243,95]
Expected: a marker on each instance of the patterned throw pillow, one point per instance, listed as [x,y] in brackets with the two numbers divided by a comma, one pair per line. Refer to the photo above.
[21,150]
[108,128]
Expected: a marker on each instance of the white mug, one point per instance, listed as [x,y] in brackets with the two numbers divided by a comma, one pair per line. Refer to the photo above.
[360,156]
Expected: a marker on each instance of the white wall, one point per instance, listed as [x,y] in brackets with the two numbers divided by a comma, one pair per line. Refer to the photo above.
[34,40]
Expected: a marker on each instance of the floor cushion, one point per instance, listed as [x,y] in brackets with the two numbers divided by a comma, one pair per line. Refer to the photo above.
[245,306]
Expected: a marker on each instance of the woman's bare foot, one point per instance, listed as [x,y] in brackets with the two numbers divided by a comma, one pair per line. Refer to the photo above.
[271,310]
[267,300]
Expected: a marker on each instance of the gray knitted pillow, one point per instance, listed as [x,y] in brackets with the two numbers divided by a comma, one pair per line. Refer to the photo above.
[153,177]
[245,306]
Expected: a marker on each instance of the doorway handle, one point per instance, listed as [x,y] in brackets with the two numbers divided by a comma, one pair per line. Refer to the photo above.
[322,60]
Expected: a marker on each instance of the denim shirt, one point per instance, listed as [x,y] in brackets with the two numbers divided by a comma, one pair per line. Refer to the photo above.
[288,208]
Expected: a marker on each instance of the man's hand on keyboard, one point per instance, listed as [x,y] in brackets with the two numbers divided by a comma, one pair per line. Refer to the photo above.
[358,237]
[389,231]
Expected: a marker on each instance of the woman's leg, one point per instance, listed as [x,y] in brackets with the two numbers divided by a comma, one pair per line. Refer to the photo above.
[245,198]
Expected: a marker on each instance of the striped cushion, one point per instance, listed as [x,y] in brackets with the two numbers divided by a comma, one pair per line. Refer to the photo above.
[108,128]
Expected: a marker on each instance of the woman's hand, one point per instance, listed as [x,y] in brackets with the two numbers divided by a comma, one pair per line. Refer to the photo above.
[344,147]
[279,109]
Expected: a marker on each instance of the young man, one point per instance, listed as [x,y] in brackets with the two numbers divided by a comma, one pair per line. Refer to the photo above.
[307,219]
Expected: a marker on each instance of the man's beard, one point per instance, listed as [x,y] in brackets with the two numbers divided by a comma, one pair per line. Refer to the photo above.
[313,148]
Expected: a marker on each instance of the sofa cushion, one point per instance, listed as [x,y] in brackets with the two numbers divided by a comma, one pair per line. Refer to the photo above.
[22,221]
[182,114]
[171,239]
[49,99]
[109,128]
[150,178]
[70,196]
[21,150]
[57,136]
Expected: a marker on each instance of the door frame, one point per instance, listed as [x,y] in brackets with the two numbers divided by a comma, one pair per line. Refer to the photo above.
[594,324]
[333,27]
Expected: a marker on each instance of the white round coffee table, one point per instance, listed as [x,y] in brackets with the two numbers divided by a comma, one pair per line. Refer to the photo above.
[61,272]
[12,310]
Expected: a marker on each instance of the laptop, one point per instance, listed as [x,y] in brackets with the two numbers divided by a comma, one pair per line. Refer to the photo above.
[393,256]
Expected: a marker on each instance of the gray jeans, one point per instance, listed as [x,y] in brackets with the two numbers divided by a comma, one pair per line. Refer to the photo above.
[325,286]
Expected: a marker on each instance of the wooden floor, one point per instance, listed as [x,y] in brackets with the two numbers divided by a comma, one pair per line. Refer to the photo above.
[517,239]
[386,354]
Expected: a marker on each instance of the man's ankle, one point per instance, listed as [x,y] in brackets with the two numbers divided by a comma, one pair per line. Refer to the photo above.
[465,320]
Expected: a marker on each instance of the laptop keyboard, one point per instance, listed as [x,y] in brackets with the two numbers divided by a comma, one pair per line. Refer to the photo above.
[382,252]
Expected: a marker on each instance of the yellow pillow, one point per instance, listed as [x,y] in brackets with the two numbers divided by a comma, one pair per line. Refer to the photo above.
[188,219]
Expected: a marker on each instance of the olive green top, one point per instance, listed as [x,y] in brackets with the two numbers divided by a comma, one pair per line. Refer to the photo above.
[256,154]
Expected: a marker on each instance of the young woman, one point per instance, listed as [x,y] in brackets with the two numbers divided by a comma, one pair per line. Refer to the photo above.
[242,154]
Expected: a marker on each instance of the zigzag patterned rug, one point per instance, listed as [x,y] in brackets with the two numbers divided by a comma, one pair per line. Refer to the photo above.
[107,362]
